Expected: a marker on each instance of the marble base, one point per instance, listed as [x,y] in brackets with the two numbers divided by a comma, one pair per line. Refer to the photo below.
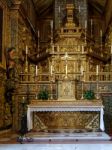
[53,146]
[70,136]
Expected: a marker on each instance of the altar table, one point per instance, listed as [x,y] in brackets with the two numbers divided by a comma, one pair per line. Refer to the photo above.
[64,106]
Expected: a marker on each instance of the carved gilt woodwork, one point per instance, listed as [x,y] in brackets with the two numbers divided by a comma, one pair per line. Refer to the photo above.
[66,120]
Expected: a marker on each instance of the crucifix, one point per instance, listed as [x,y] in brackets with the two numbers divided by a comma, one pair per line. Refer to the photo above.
[66,63]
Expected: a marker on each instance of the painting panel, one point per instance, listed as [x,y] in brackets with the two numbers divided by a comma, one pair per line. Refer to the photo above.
[66,90]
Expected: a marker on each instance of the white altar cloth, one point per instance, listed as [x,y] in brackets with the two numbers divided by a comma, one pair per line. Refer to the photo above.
[63,107]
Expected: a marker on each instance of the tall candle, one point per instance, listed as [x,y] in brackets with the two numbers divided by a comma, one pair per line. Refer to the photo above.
[66,55]
[85,24]
[51,24]
[36,70]
[74,67]
[101,33]
[79,48]
[82,49]
[66,69]
[79,9]
[52,48]
[51,69]
[59,9]
[91,22]
[26,49]
[97,69]
[38,34]
[58,48]
[111,48]
[91,27]
[23,100]
[82,70]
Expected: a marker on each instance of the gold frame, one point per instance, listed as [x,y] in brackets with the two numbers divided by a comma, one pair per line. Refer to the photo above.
[66,90]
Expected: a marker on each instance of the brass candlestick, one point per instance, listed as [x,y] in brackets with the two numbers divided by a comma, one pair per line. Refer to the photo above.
[97,87]
[82,86]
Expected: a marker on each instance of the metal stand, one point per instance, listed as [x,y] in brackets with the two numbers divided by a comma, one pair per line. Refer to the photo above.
[23,130]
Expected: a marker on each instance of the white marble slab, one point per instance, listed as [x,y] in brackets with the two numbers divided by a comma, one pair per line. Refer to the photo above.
[71,136]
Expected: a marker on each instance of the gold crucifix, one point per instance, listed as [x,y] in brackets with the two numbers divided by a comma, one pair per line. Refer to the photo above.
[66,63]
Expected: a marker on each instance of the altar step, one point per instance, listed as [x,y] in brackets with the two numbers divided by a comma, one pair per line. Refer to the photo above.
[69,136]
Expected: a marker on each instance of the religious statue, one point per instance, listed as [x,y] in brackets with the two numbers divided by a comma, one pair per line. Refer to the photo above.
[10,62]
[10,74]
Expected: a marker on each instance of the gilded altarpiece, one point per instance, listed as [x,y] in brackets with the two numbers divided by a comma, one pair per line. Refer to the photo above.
[66,90]
[69,60]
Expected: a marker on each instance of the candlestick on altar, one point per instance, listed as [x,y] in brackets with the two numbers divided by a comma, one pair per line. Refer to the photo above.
[111,56]
[82,95]
[51,32]
[97,70]
[58,48]
[59,9]
[91,26]
[38,34]
[51,70]
[52,48]
[85,30]
[79,48]
[26,49]
[82,78]
[82,70]
[23,100]
[74,67]
[111,50]
[26,61]
[91,22]
[82,49]
[51,24]
[59,15]
[36,73]
[101,33]
[97,83]
[85,24]
[66,70]
[38,40]
[79,9]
